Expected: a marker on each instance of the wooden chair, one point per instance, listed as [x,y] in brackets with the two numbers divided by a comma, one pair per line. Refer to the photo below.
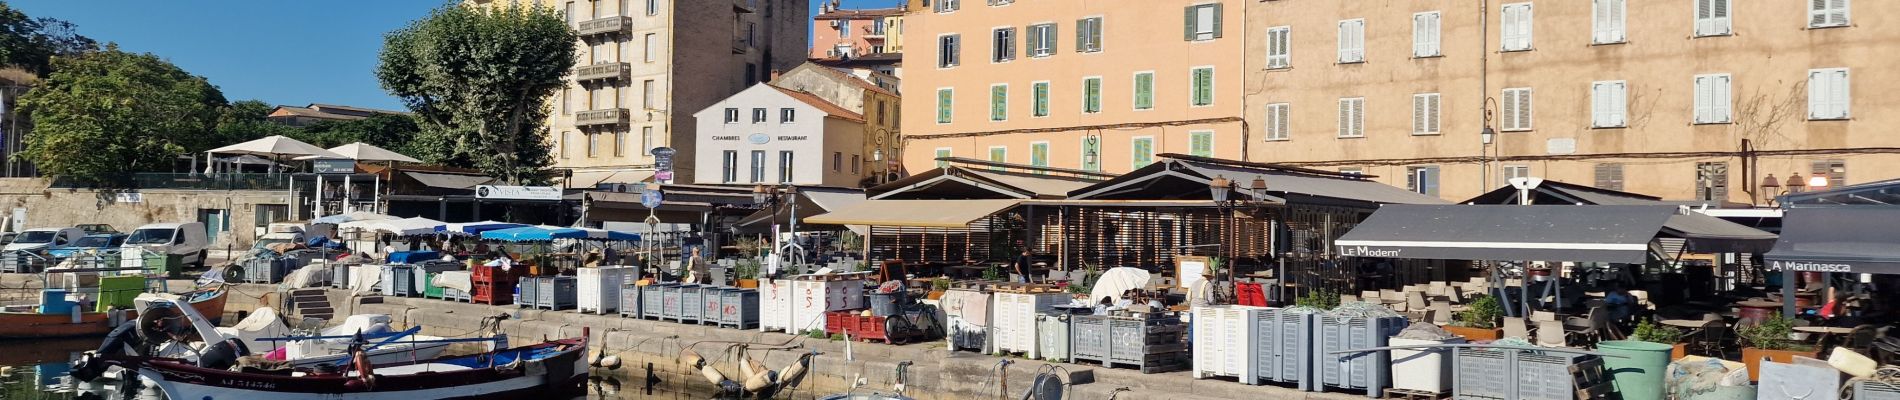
[1515,327]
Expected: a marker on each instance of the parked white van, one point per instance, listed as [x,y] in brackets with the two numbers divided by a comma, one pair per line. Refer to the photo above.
[44,238]
[186,240]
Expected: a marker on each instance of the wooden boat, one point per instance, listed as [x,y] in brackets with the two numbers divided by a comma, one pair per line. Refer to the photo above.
[541,371]
[25,322]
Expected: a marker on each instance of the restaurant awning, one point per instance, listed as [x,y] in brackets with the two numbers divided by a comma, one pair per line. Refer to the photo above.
[1839,239]
[448,181]
[1617,234]
[917,213]
[811,201]
[1707,234]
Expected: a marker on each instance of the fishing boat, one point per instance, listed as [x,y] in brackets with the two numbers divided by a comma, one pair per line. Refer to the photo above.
[540,371]
[57,316]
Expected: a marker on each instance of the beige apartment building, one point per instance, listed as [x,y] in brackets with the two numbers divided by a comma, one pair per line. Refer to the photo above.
[1083,84]
[646,65]
[1658,97]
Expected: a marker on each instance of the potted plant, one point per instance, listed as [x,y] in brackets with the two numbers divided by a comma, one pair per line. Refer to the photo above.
[1650,331]
[937,286]
[1324,299]
[1769,339]
[1480,320]
[746,273]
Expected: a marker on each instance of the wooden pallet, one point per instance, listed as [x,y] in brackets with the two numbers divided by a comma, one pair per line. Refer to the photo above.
[1591,381]
[845,276]
[1025,288]
[981,286]
[1410,394]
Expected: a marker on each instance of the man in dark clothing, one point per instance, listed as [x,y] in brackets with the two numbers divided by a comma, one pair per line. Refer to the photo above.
[1022,266]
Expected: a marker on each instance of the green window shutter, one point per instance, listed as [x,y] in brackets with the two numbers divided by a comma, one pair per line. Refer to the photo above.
[1144,91]
[1095,34]
[1203,86]
[1217,20]
[999,103]
[1092,95]
[1202,144]
[1039,155]
[1188,24]
[1050,37]
[942,153]
[1041,93]
[943,106]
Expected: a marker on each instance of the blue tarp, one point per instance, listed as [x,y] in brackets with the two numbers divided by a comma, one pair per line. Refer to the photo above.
[412,257]
[534,234]
[473,228]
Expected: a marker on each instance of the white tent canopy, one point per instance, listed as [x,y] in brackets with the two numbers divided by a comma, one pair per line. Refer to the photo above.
[353,216]
[1117,280]
[276,146]
[360,151]
[400,227]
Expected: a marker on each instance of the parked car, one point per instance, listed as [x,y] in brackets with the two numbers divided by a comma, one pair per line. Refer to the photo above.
[94,229]
[44,238]
[97,242]
[186,240]
[280,232]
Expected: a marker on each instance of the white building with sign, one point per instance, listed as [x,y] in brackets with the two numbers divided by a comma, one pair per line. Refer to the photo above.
[772,135]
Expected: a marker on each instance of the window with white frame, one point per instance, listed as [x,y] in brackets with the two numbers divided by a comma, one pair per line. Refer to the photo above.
[758,166]
[1834,171]
[1202,88]
[1353,171]
[1510,172]
[1828,93]
[1003,44]
[1142,151]
[1712,18]
[844,27]
[999,154]
[1277,115]
[563,144]
[646,140]
[1422,180]
[648,99]
[1609,176]
[1827,13]
[944,6]
[1088,35]
[785,165]
[837,161]
[1203,22]
[1425,114]
[732,115]
[944,105]
[1144,90]
[1516,31]
[731,167]
[1516,109]
[1000,2]
[652,47]
[1352,41]
[1609,104]
[942,153]
[1279,47]
[653,7]
[949,50]
[1607,21]
[1712,99]
[1425,34]
[1041,39]
[620,143]
[999,102]
[1352,117]
[787,115]
[1201,143]
[593,145]
[1039,154]
[758,115]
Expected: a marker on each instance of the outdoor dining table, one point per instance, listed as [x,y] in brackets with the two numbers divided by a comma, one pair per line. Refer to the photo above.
[1825,331]
[1684,323]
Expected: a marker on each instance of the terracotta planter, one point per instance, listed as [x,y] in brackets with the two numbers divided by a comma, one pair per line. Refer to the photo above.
[934,294]
[1681,350]
[749,283]
[1476,334]
[1751,357]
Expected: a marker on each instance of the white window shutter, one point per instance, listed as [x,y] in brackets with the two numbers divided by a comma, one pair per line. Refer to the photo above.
[1345,40]
[1719,17]
[1599,104]
[1840,93]
[1281,122]
[1345,112]
[1359,40]
[1703,99]
[1432,112]
[1817,12]
[1838,15]
[1358,117]
[1437,26]
[1524,26]
[1509,40]
[1619,100]
[1524,109]
[1418,35]
[1509,114]
[1719,110]
[1418,114]
[1599,21]
[1817,95]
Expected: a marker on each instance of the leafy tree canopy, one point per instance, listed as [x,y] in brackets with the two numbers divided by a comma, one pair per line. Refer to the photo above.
[30,43]
[99,116]
[477,79]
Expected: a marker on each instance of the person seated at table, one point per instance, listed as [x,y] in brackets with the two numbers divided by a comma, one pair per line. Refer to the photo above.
[1619,301]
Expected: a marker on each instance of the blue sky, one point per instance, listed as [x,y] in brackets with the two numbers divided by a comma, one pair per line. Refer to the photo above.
[282,52]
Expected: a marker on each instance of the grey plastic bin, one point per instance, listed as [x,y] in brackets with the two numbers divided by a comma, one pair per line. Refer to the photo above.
[1052,331]
[1864,390]
[691,302]
[739,308]
[1369,370]
[1485,373]
[1088,336]
[630,301]
[653,300]
[1285,346]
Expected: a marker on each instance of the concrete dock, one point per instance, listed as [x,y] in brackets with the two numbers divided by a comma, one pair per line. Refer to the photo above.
[935,373]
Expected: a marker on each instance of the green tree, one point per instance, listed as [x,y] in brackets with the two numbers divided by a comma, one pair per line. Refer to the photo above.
[245,121]
[102,115]
[389,131]
[31,43]
[478,79]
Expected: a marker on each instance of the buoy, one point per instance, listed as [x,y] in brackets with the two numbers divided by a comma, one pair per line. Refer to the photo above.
[611,362]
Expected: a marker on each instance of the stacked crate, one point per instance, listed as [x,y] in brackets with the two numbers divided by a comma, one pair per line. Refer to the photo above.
[813,295]
[1226,339]
[548,292]
[400,280]
[493,286]
[1149,342]
[1014,312]
[1497,374]
[738,308]
[968,325]
[599,287]
[653,300]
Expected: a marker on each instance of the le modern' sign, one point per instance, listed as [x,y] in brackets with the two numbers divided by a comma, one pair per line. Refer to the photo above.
[517,192]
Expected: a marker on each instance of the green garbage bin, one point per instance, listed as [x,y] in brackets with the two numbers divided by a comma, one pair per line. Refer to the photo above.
[1637,367]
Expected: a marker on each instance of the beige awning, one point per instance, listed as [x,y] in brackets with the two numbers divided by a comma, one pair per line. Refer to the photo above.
[919,213]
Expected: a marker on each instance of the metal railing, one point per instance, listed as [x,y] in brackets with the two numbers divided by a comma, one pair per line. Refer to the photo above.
[603,25]
[211,181]
[611,116]
[23,261]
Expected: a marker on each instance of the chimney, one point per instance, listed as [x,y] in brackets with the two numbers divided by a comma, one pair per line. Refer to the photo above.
[775,73]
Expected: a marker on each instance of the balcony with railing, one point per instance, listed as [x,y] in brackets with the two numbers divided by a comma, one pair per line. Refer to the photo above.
[611,116]
[601,71]
[873,32]
[602,26]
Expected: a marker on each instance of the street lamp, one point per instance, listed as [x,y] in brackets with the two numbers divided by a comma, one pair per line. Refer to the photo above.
[1220,187]
[1797,184]
[1259,188]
